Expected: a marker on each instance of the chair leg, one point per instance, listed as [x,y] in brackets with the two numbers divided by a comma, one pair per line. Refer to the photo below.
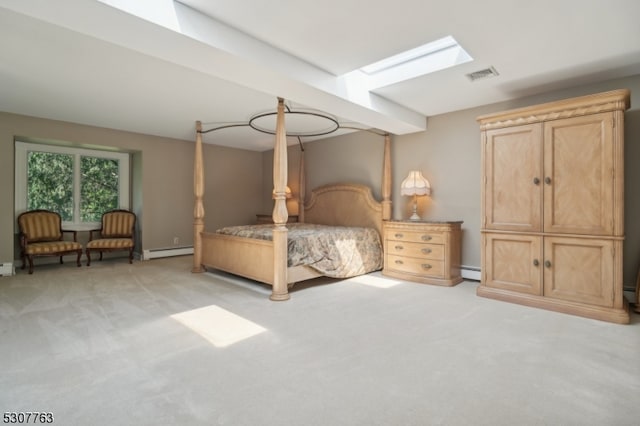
[61,262]
[30,264]
[100,256]
[131,256]
[79,256]
[88,258]
[24,260]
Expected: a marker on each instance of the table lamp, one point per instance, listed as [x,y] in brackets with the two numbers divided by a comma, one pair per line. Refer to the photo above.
[415,184]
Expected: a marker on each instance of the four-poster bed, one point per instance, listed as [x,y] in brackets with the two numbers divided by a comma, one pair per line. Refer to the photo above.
[267,258]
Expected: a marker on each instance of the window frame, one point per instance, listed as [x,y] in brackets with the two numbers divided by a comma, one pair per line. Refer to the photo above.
[22,150]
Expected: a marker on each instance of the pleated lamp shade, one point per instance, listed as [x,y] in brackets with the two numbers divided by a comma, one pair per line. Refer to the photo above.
[415,184]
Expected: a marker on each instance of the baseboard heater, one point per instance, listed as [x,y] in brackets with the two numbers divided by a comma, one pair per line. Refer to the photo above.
[6,269]
[470,272]
[166,252]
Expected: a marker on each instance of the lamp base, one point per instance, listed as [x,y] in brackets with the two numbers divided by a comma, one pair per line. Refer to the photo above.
[415,216]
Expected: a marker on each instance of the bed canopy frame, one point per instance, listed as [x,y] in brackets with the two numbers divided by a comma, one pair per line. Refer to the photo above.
[280,214]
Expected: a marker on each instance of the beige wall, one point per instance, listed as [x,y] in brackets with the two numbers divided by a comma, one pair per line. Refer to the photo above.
[233,186]
[448,154]
[162,179]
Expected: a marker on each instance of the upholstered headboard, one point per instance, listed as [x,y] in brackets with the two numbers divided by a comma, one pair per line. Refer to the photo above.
[344,204]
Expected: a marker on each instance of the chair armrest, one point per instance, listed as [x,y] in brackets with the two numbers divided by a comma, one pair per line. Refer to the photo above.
[99,231]
[75,234]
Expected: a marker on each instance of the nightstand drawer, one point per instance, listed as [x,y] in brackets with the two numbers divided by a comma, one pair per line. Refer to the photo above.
[416,237]
[422,251]
[429,267]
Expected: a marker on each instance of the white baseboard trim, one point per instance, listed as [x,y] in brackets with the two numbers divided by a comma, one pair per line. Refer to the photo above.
[7,269]
[470,272]
[166,252]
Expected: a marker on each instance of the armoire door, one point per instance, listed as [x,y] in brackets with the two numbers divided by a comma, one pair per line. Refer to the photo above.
[512,187]
[578,175]
[512,262]
[579,270]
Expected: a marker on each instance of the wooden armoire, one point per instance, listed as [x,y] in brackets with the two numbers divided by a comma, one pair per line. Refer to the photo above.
[552,206]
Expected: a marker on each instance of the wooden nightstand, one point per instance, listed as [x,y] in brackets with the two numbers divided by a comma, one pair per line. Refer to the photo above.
[425,252]
[267,218]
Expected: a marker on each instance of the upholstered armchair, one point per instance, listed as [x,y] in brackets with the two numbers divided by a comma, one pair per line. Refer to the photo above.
[117,232]
[41,234]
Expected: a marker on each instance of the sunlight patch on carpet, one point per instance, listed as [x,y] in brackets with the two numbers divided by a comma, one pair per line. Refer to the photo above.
[219,326]
[373,281]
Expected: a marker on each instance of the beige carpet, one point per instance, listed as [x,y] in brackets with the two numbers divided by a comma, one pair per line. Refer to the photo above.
[153,344]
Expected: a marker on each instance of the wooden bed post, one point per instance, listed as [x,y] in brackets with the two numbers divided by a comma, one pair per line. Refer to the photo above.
[386,179]
[198,209]
[301,188]
[279,289]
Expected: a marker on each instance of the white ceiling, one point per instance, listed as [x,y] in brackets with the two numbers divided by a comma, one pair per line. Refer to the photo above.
[162,65]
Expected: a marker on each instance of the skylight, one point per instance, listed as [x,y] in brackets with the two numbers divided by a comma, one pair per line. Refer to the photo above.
[428,58]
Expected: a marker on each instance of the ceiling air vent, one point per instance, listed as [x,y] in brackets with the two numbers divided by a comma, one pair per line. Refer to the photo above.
[485,73]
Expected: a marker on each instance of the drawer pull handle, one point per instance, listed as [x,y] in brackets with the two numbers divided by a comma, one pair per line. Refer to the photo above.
[399,262]
[547,264]
[426,238]
[426,250]
[535,262]
[426,266]
[399,235]
[547,180]
[536,181]
[399,248]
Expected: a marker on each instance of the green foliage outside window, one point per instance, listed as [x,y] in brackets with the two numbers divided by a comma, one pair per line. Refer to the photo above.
[50,183]
[50,186]
[98,187]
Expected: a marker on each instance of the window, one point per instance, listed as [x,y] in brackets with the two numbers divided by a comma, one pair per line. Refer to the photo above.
[79,184]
